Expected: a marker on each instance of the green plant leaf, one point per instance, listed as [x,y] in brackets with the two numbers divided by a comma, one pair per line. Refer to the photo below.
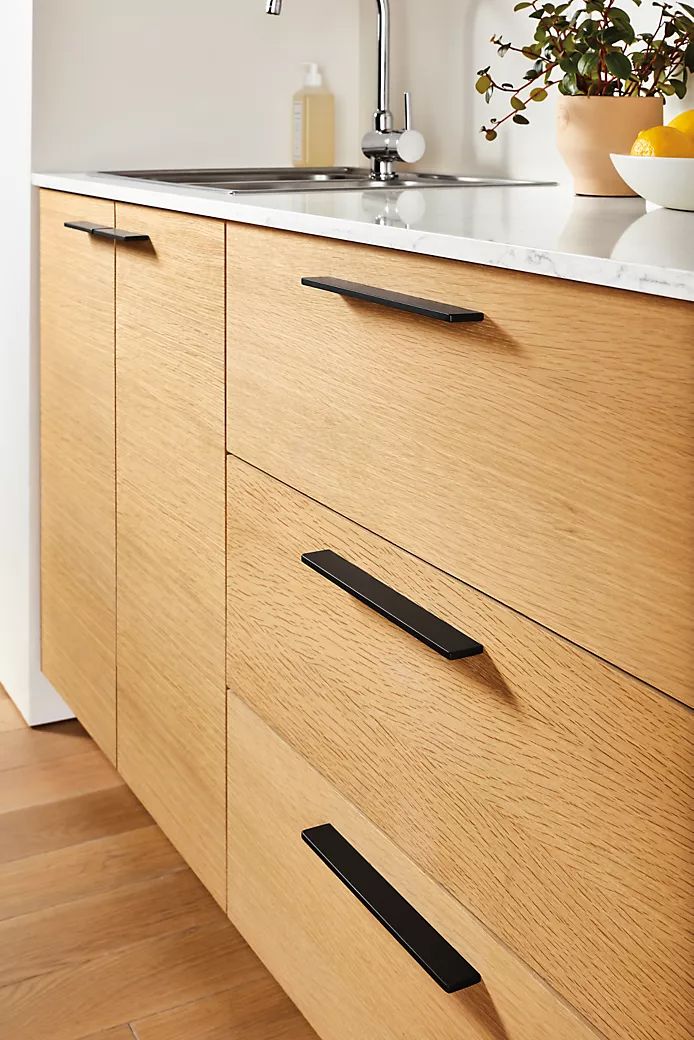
[619,65]
[483,84]
[517,104]
[588,64]
[689,57]
[538,94]
[521,120]
[568,84]
[522,6]
[491,135]
[680,87]
[619,17]
[570,63]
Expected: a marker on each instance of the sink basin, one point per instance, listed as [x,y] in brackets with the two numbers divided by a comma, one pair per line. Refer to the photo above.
[334,178]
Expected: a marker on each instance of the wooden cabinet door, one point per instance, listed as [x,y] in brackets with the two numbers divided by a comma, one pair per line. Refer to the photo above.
[170,342]
[78,462]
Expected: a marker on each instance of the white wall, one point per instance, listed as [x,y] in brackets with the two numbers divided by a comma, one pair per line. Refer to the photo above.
[438,47]
[173,83]
[170,83]
[19,579]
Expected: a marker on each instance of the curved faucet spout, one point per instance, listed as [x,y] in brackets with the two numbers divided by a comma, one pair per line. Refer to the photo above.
[383,145]
[383,118]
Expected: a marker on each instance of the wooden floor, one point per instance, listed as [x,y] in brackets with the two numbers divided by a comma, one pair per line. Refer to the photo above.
[104,932]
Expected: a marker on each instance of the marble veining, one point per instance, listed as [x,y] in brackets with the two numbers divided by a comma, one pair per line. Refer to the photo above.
[540,230]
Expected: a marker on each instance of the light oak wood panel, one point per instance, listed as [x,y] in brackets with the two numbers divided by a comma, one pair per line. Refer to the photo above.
[57,779]
[119,1033]
[343,970]
[171,507]
[25,747]
[78,506]
[28,832]
[75,932]
[80,871]
[546,790]
[126,984]
[544,456]
[255,1008]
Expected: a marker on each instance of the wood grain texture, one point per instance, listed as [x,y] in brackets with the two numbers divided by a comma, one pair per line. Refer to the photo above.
[171,507]
[26,747]
[547,791]
[343,970]
[10,717]
[99,929]
[56,779]
[119,1033]
[129,983]
[254,1008]
[63,875]
[75,932]
[544,456]
[43,828]
[78,627]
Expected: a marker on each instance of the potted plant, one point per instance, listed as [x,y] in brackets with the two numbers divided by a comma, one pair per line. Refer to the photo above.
[612,80]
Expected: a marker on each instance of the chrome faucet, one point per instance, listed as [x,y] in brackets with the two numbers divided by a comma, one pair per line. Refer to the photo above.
[383,145]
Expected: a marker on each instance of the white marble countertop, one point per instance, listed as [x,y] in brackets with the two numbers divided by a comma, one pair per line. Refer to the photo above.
[541,230]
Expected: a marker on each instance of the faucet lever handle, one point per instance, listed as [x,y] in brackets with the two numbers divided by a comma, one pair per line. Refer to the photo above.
[407,96]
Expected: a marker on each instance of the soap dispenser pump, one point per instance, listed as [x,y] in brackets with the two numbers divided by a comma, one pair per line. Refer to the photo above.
[313,124]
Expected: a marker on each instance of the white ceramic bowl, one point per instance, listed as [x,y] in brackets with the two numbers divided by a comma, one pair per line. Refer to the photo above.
[666,182]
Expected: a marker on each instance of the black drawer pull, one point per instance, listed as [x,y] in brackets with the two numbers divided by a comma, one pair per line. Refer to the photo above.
[398,301]
[82,225]
[101,231]
[420,623]
[427,946]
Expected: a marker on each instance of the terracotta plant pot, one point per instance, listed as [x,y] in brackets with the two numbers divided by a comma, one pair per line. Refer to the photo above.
[589,128]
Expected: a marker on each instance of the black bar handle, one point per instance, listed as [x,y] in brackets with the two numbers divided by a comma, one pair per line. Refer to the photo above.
[83,225]
[102,231]
[398,301]
[420,623]
[115,234]
[427,946]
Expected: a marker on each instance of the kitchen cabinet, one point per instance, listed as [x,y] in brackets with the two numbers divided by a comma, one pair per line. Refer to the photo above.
[337,962]
[544,454]
[521,779]
[133,502]
[78,495]
[495,721]
[170,519]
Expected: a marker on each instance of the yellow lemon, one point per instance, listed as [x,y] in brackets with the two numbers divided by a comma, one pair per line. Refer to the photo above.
[684,122]
[664,141]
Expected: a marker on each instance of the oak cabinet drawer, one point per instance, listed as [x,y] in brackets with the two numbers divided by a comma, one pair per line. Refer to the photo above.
[544,455]
[340,964]
[545,790]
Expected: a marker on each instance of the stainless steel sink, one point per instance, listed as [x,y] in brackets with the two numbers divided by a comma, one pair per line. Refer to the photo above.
[335,178]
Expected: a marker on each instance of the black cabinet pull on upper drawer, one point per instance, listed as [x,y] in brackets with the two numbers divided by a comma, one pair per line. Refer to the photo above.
[427,946]
[420,623]
[101,231]
[398,301]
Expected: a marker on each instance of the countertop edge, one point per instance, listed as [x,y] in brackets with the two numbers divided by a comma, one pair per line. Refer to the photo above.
[652,280]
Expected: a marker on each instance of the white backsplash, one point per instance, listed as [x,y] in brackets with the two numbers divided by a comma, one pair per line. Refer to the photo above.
[170,83]
[175,83]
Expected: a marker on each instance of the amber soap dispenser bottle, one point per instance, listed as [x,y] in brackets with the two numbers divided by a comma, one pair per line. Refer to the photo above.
[313,121]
